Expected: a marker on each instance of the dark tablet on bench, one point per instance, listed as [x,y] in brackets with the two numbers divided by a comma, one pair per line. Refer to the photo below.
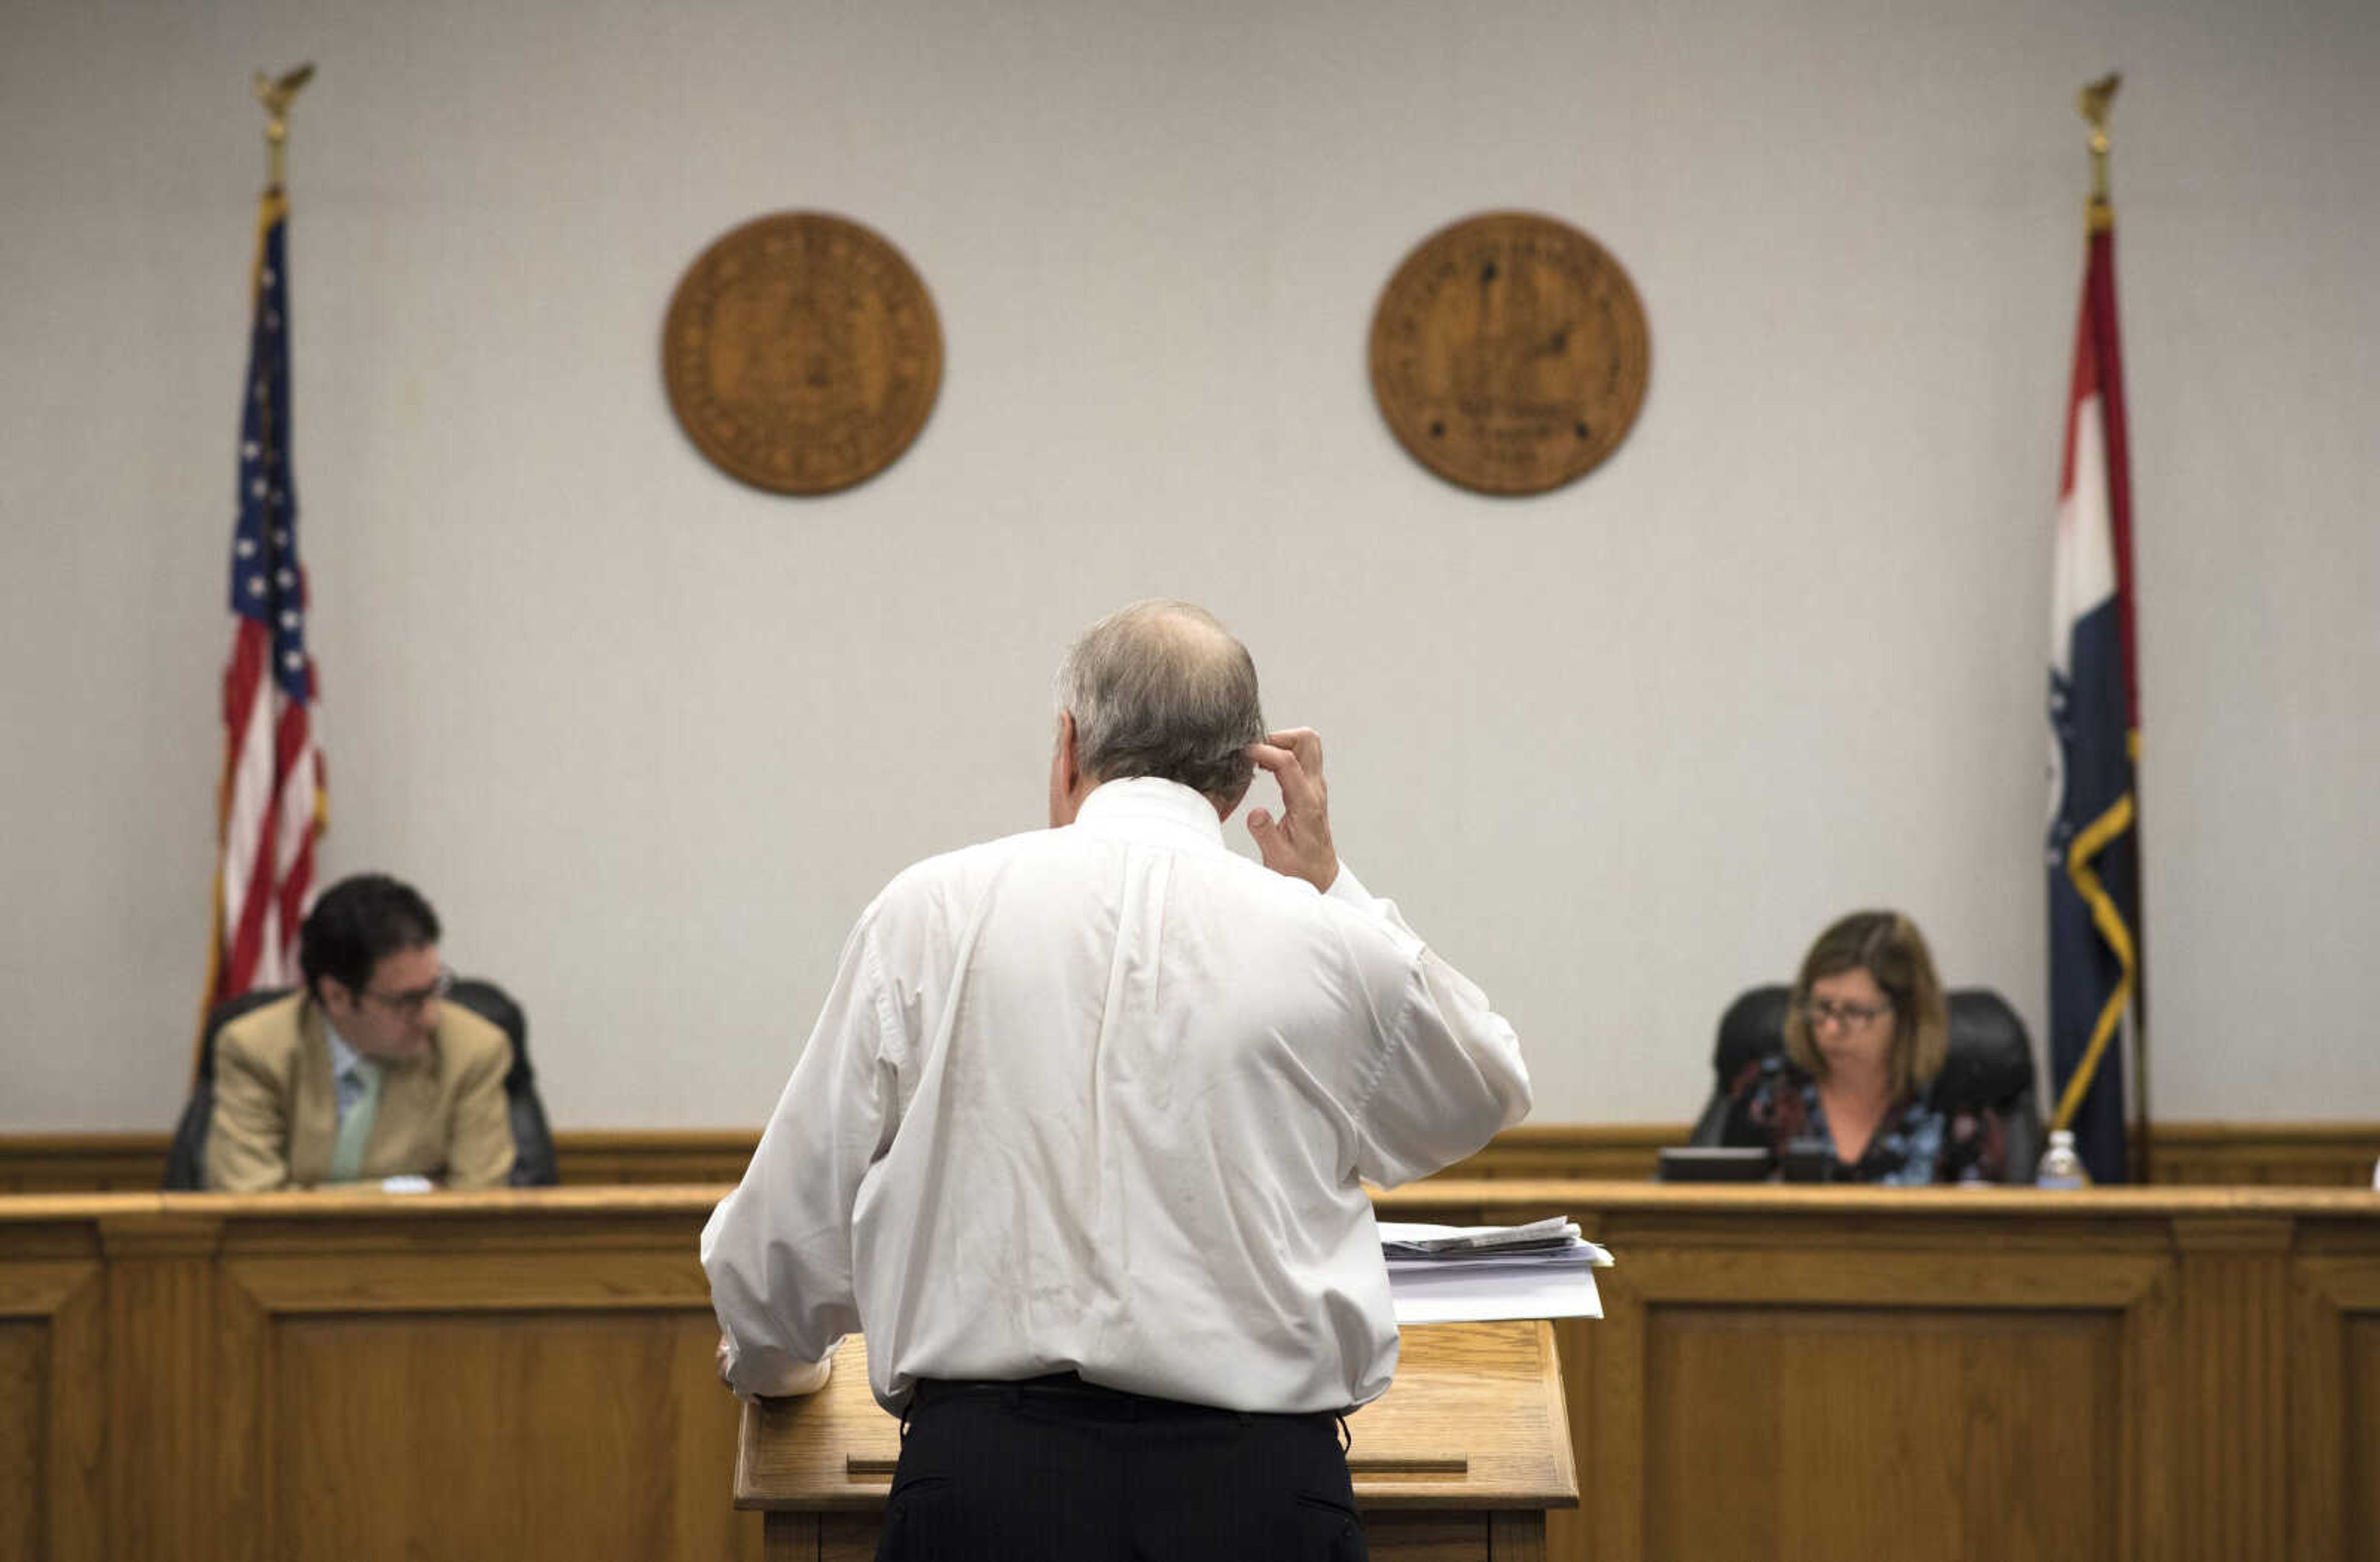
[1699,1163]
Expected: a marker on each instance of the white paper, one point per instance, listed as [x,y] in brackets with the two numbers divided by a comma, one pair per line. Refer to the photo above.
[1483,1285]
[1449,1296]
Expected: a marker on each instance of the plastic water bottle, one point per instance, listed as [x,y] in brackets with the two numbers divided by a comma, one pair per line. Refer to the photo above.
[2061,1166]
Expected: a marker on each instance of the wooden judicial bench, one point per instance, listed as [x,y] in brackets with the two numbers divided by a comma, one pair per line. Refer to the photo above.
[1781,1373]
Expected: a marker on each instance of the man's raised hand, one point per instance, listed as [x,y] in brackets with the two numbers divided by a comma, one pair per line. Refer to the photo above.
[1298,843]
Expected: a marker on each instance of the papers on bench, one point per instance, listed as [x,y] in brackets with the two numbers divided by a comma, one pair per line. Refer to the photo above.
[1476,1273]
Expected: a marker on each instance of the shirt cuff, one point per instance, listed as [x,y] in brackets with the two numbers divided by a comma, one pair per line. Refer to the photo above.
[796,1378]
[1350,888]
[769,1374]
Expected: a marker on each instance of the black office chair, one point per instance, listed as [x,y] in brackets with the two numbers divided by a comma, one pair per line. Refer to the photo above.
[533,1162]
[1989,1065]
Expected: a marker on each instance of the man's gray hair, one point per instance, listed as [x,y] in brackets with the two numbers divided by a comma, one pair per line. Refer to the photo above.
[1162,689]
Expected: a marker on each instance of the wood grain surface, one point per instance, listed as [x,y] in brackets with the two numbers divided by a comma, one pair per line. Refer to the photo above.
[2127,1373]
[1459,1459]
[2187,1155]
[1474,1420]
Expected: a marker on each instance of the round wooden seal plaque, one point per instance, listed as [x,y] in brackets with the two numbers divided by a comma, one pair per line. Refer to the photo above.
[1510,354]
[801,353]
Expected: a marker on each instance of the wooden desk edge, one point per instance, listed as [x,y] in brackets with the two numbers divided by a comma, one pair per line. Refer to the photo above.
[694,1201]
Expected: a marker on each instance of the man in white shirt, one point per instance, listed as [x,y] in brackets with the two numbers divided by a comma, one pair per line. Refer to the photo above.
[1080,1137]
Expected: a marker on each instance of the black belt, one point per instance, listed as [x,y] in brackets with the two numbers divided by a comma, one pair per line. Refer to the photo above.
[1070,1391]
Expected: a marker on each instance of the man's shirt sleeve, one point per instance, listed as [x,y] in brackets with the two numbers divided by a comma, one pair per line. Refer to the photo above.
[1452,1078]
[778,1249]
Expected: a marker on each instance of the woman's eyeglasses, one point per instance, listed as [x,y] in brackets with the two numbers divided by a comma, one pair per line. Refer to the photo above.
[1851,1017]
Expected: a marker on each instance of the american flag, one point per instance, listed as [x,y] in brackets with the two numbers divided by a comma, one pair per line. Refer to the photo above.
[272,802]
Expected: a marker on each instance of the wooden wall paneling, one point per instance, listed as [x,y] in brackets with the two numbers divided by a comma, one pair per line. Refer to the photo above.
[1430,1537]
[492,1388]
[2264,1154]
[1511,1538]
[1601,1152]
[181,1393]
[24,1436]
[2359,1469]
[52,1347]
[841,1537]
[638,1156]
[2208,1154]
[1760,1421]
[1570,1533]
[1741,1391]
[515,1433]
[2334,1385]
[190,1353]
[1612,1471]
[77,1468]
[2235,1317]
[699,1427]
[81,1163]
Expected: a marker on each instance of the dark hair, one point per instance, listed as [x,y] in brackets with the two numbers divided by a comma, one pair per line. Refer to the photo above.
[1889,947]
[356,923]
[1162,689]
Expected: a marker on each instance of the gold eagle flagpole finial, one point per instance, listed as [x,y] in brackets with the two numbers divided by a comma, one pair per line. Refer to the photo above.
[2092,102]
[275,96]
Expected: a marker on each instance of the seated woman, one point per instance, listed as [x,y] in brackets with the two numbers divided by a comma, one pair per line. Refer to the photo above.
[1865,1035]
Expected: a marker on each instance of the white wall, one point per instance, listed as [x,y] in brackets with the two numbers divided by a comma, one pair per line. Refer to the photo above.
[649,739]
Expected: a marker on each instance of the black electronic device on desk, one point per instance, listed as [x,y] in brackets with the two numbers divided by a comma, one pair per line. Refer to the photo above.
[1712,1163]
[1809,1159]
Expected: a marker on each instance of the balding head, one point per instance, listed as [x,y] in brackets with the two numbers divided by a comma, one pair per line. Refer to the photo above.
[1162,689]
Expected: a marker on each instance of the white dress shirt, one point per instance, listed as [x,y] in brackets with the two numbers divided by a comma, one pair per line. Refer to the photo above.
[1100,1098]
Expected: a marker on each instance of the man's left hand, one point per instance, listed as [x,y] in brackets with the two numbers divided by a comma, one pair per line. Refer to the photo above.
[1298,843]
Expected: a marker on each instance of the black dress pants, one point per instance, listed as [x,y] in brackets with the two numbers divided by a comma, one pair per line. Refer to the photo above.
[1053,1470]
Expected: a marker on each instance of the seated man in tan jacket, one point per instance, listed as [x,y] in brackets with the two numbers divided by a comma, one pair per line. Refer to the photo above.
[362,1073]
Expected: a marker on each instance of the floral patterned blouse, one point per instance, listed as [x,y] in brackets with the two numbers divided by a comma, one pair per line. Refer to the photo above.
[1772,1103]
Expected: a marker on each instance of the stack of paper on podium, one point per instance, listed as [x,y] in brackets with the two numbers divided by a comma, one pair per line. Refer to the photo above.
[1479,1273]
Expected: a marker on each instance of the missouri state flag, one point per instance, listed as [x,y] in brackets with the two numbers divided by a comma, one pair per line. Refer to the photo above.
[2094,838]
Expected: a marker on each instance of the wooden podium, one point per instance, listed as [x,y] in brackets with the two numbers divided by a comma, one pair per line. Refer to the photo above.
[1458,1462]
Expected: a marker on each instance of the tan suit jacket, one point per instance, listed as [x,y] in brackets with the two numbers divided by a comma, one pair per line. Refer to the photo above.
[441,1115]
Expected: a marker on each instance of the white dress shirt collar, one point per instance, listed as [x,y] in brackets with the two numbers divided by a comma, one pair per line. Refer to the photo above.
[348,1069]
[343,1058]
[1150,808]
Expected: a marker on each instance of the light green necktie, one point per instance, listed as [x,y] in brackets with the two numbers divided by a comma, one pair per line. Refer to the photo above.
[355,1128]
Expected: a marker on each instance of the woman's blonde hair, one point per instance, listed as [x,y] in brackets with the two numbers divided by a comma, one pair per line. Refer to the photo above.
[1889,948]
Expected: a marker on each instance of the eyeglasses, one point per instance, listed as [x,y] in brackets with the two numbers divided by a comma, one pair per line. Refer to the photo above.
[415,1000]
[1851,1017]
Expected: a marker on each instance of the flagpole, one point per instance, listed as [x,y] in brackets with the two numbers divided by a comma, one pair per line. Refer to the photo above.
[275,94]
[2099,218]
[2093,101]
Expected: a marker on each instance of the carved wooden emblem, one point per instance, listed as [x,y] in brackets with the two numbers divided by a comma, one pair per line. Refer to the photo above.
[802,353]
[1509,353]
